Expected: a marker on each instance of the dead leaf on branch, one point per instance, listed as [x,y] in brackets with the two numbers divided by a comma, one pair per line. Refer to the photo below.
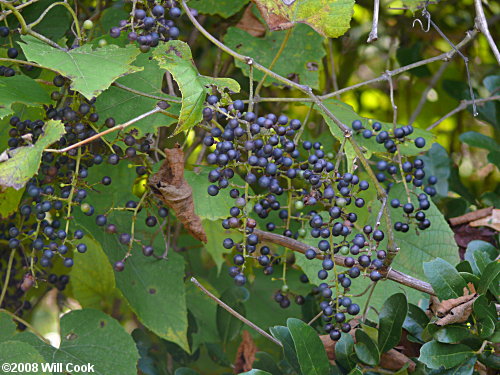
[455,310]
[251,24]
[245,356]
[170,186]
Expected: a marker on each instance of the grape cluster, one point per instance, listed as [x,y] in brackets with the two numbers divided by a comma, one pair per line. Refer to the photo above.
[390,139]
[12,53]
[39,234]
[320,201]
[151,24]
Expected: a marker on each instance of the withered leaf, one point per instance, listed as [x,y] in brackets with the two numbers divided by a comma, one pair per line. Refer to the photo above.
[251,24]
[454,310]
[245,356]
[170,186]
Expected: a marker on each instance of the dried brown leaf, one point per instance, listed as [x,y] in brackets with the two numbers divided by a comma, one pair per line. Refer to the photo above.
[454,310]
[245,355]
[492,221]
[251,24]
[170,186]
[458,314]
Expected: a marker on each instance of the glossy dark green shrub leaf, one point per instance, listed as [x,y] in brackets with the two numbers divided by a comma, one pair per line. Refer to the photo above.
[344,351]
[452,334]
[265,362]
[490,279]
[480,254]
[309,348]
[444,278]
[479,140]
[435,354]
[391,320]
[284,336]
[366,349]
[415,321]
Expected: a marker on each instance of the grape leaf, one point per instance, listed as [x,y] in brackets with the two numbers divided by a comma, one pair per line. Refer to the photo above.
[89,337]
[175,56]
[22,354]
[153,288]
[330,18]
[124,105]
[224,8]
[24,161]
[9,200]
[301,58]
[20,89]
[91,71]
[92,278]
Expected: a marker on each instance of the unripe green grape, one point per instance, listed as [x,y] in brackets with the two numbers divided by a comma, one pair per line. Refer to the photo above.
[85,207]
[88,25]
[340,202]
[285,288]
[299,205]
[302,232]
[344,250]
[102,43]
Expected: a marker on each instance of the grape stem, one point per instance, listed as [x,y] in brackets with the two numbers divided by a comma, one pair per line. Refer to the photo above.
[22,321]
[234,313]
[7,275]
[482,26]
[301,247]
[19,7]
[373,36]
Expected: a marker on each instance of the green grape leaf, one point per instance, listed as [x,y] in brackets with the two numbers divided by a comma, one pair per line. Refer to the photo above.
[444,278]
[90,337]
[300,59]
[346,115]
[175,56]
[22,354]
[7,327]
[391,319]
[435,354]
[153,288]
[330,18]
[20,89]
[93,280]
[24,161]
[309,348]
[124,105]
[215,235]
[205,206]
[90,70]
[223,8]
[9,200]
[366,349]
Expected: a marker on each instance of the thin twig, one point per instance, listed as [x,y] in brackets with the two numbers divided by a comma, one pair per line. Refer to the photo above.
[107,131]
[463,105]
[234,313]
[374,32]
[301,247]
[7,275]
[482,26]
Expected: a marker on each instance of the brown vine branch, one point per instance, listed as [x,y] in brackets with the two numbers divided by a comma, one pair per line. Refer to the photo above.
[463,105]
[235,313]
[482,26]
[301,247]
